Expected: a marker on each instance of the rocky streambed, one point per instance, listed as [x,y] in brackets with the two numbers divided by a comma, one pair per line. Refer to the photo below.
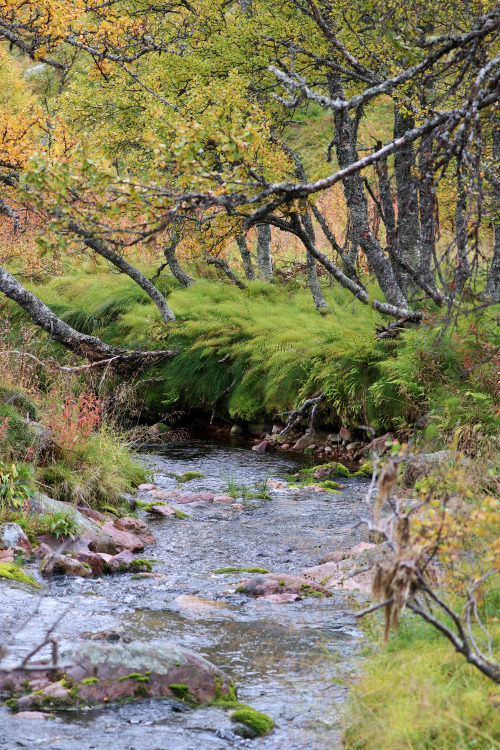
[287,639]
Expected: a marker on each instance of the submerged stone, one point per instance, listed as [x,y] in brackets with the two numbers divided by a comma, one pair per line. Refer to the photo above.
[281,583]
[107,672]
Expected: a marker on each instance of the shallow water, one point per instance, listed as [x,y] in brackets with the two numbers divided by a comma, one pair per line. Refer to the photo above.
[289,660]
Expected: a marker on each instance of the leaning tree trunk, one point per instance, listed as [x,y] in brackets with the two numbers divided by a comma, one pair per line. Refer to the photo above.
[264,260]
[241,241]
[99,247]
[312,273]
[224,266]
[174,265]
[408,231]
[357,204]
[89,347]
[492,289]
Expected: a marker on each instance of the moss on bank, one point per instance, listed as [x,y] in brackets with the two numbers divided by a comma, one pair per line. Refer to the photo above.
[13,573]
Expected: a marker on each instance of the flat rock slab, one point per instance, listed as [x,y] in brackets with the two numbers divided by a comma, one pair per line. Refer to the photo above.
[107,672]
[166,511]
[202,497]
[276,583]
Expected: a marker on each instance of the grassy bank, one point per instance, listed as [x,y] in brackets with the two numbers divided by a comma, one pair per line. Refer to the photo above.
[255,353]
[418,694]
[56,435]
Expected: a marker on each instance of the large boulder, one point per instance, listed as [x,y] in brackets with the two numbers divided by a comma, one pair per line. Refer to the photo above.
[92,535]
[423,464]
[107,672]
[12,535]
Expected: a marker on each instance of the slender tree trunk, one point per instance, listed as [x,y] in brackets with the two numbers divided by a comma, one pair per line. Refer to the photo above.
[389,213]
[356,202]
[462,271]
[174,265]
[312,273]
[427,229]
[241,241]
[99,247]
[408,231]
[221,263]
[492,289]
[264,260]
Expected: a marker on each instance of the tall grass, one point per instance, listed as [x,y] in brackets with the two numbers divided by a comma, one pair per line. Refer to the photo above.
[420,695]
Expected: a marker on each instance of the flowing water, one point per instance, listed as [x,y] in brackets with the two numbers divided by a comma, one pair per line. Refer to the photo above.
[289,660]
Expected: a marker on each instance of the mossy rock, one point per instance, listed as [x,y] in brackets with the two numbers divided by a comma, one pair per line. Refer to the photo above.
[366,470]
[13,573]
[260,724]
[190,475]
[333,469]
[241,570]
[140,566]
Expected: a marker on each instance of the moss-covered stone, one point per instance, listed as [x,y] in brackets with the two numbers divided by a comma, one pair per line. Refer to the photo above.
[180,691]
[260,723]
[366,470]
[141,566]
[190,475]
[241,570]
[13,573]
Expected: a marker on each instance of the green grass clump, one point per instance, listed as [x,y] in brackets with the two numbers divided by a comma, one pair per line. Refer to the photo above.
[259,722]
[13,573]
[96,473]
[420,694]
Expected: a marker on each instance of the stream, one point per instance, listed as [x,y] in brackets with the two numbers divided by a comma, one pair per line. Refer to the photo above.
[289,660]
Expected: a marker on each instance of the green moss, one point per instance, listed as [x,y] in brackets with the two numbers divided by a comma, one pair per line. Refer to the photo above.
[366,470]
[13,573]
[241,570]
[180,691]
[281,583]
[135,676]
[141,691]
[89,681]
[141,564]
[329,485]
[180,514]
[259,722]
[13,704]
[190,475]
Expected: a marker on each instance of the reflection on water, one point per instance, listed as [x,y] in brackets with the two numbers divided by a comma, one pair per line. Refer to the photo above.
[288,660]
